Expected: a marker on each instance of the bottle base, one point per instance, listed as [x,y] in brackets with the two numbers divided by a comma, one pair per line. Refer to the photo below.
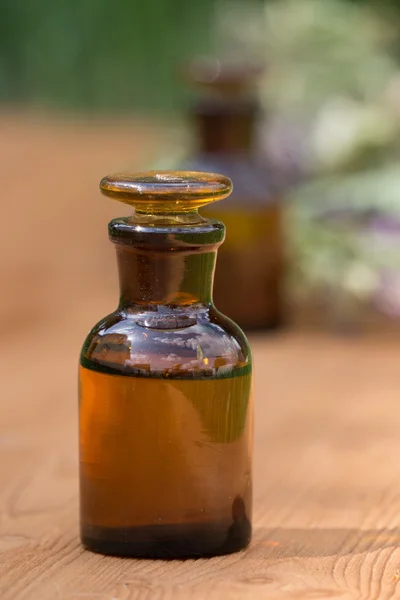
[169,541]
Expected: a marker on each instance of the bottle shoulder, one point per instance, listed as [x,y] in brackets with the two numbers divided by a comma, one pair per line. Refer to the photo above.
[175,343]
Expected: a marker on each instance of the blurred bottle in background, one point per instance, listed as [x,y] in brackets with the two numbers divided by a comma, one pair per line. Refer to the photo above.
[225,114]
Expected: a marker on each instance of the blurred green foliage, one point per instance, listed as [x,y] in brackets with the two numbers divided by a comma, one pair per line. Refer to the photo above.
[335,76]
[98,54]
[103,55]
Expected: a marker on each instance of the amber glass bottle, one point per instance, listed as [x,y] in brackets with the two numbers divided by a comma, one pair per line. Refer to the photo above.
[165,385]
[225,115]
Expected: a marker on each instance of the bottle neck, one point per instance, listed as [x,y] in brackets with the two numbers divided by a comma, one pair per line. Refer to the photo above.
[153,277]
[225,127]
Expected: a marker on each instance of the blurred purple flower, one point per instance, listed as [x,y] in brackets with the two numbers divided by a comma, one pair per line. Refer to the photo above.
[383,224]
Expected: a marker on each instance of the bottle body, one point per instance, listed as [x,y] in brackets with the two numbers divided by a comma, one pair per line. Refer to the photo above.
[165,459]
[254,246]
[259,267]
[165,413]
[253,250]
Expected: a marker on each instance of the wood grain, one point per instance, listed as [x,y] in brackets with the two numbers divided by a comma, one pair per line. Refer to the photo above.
[327,468]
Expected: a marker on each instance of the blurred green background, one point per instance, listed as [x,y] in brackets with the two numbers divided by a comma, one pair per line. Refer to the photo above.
[94,54]
[97,54]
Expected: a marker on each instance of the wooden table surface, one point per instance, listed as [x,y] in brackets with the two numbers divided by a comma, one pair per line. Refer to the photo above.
[327,447]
